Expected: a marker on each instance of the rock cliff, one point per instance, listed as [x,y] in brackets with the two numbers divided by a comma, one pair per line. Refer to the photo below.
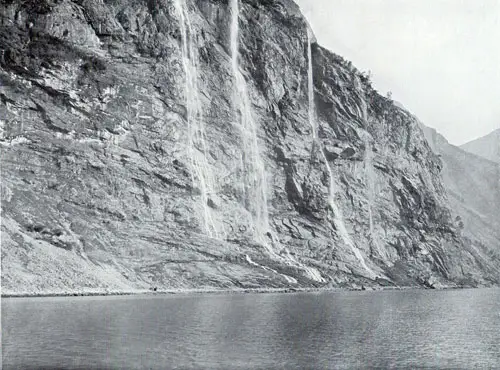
[172,145]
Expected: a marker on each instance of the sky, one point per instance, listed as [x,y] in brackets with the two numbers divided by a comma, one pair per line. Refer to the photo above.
[439,58]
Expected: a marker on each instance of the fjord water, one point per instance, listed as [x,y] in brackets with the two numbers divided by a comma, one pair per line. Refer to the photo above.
[346,330]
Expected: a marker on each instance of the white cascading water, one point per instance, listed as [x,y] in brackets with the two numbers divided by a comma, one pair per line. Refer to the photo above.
[254,179]
[201,173]
[370,180]
[253,165]
[289,279]
[337,215]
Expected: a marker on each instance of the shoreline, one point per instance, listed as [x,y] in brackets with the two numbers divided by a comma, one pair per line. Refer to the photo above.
[173,292]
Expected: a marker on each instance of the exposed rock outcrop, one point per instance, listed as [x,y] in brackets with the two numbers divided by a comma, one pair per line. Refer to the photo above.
[98,184]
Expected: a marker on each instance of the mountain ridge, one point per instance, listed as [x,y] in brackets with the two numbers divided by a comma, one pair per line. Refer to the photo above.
[487,146]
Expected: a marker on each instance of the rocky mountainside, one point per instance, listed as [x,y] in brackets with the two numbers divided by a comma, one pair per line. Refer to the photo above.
[209,144]
[473,185]
[487,146]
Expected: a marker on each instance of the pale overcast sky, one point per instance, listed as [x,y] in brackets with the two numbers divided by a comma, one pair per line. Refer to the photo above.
[440,58]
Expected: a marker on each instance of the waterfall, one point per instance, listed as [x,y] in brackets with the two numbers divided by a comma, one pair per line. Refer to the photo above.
[338,219]
[201,173]
[369,173]
[254,179]
[288,279]
[370,180]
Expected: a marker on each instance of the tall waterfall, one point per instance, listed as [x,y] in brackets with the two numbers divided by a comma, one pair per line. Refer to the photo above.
[254,179]
[370,181]
[337,214]
[201,173]
[253,165]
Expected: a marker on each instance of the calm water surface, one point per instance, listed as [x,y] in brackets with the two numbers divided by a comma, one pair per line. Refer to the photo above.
[351,330]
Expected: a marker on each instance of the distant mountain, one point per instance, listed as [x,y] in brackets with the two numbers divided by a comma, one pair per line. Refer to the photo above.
[473,186]
[487,146]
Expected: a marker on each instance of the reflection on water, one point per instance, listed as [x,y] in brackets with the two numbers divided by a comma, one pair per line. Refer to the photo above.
[396,329]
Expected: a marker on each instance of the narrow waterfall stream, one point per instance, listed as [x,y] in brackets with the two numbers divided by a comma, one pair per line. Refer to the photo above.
[201,173]
[253,165]
[371,182]
[254,179]
[337,214]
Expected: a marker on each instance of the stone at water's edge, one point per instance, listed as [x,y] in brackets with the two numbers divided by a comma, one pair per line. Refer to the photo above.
[97,191]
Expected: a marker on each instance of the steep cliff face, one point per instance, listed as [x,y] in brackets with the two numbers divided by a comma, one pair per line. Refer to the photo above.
[145,145]
[487,146]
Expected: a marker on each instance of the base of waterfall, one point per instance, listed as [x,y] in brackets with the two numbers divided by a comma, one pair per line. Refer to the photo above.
[289,290]
[262,279]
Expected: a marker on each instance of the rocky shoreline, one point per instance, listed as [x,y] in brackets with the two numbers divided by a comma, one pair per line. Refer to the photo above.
[167,292]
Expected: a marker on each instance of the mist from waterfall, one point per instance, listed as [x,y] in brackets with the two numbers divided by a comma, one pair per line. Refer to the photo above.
[338,219]
[201,173]
[254,178]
